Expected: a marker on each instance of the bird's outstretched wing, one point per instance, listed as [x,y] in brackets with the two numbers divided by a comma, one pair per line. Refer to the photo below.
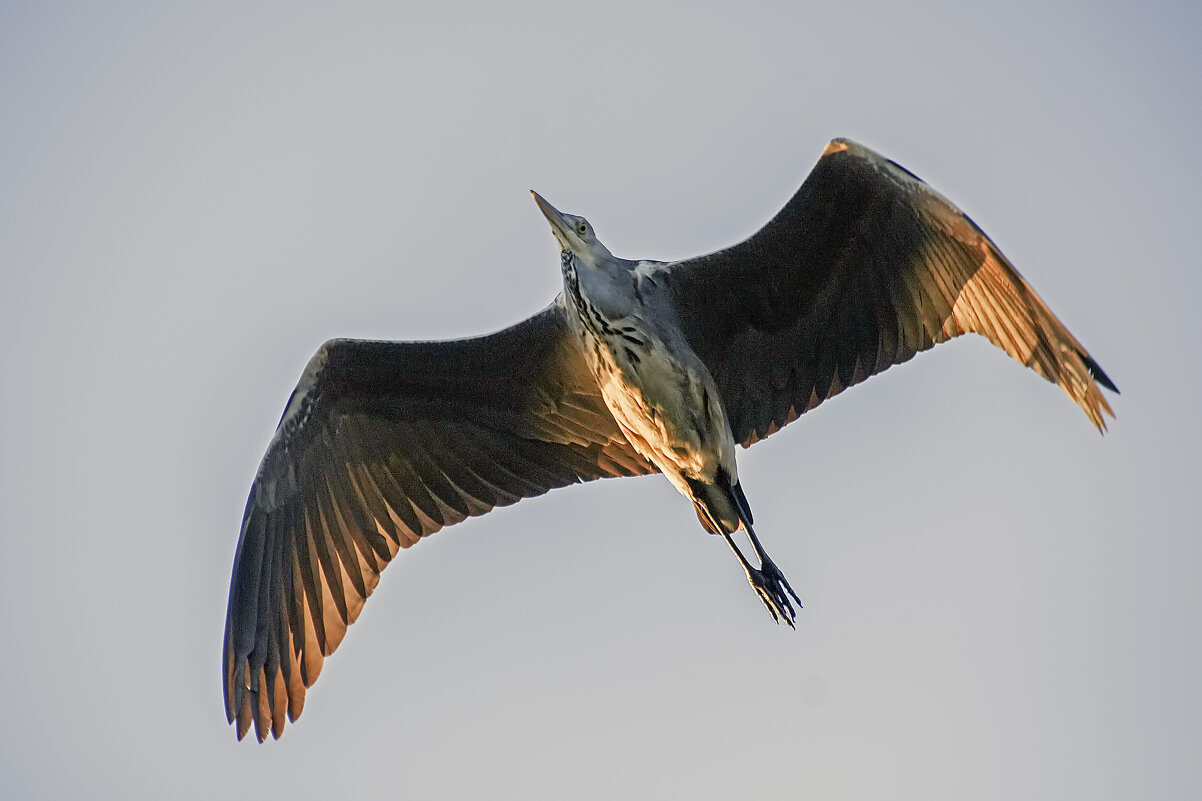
[383,443]
[865,266]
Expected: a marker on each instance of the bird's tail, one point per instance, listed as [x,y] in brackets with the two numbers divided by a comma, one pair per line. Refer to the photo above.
[721,506]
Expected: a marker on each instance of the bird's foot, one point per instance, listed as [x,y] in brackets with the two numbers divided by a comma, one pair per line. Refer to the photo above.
[773,589]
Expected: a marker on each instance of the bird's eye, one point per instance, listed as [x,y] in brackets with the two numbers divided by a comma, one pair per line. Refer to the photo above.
[582,228]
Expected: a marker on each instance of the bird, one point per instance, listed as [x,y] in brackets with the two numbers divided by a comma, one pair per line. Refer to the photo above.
[636,367]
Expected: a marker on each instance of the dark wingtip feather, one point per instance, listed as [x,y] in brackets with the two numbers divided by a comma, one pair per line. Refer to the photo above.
[244,715]
[1098,374]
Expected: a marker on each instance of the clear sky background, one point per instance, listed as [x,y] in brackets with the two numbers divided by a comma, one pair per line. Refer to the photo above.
[999,603]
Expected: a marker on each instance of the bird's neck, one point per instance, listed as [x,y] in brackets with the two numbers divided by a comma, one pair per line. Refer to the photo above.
[590,319]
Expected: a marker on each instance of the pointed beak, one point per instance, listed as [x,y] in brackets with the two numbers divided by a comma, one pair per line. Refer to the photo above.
[559,226]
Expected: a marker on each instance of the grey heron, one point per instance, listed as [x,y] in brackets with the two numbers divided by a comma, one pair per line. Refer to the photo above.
[636,367]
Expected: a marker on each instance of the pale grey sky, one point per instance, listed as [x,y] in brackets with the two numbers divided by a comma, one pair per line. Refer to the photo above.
[999,602]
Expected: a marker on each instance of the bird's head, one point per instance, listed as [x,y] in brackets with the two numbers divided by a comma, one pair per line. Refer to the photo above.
[573,233]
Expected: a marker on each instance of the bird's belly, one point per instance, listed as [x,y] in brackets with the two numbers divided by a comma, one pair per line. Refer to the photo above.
[668,410]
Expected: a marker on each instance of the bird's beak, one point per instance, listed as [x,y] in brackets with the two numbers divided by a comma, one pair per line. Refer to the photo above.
[559,226]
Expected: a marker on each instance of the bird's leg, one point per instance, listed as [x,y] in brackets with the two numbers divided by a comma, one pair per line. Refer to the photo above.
[767,581]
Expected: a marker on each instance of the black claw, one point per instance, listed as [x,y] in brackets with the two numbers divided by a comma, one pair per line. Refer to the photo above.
[771,587]
[768,582]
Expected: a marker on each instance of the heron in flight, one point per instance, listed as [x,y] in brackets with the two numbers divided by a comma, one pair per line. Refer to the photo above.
[636,367]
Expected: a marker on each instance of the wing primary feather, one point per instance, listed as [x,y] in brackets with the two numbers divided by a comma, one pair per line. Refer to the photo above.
[409,526]
[933,258]
[311,579]
[271,668]
[281,635]
[258,655]
[1096,372]
[245,715]
[358,507]
[385,539]
[342,533]
[261,710]
[369,516]
[311,637]
[330,565]
[292,611]
[235,668]
[414,487]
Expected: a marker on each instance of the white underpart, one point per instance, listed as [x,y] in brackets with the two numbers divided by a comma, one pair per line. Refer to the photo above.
[670,411]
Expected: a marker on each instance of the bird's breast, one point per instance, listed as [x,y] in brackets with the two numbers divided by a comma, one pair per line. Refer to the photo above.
[667,406]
